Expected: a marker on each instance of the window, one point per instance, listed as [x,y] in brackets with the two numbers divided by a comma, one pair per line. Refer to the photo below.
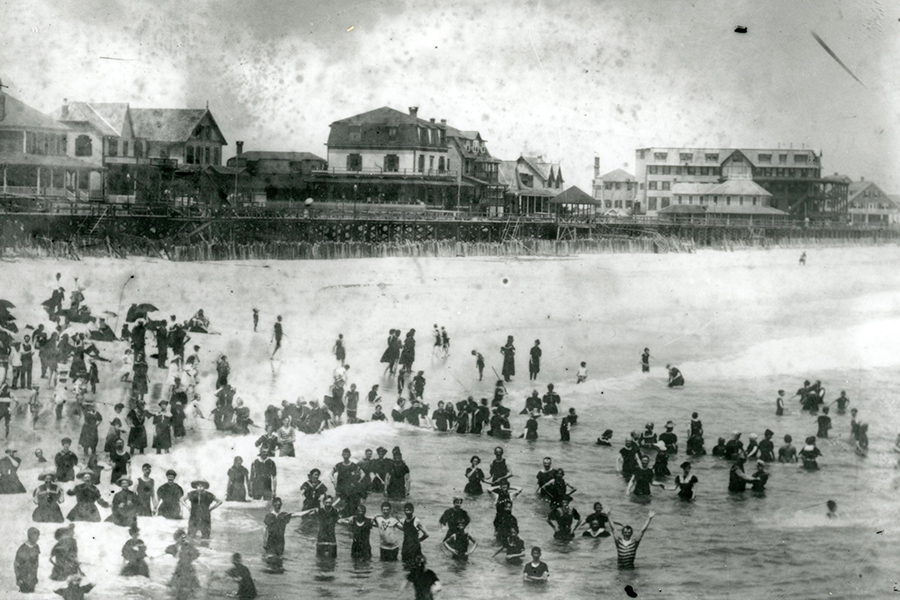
[651,203]
[441,164]
[618,204]
[84,146]
[782,159]
[741,201]
[690,170]
[448,164]
[138,149]
[609,204]
[628,204]
[164,152]
[607,185]
[666,185]
[728,200]
[354,162]
[765,158]
[189,155]
[685,157]
[430,158]
[206,153]
[666,170]
[779,172]
[651,185]
[217,156]
[391,163]
[392,133]
[642,186]
[803,158]
[754,200]
[421,161]
[663,202]
[678,199]
[660,155]
[618,185]
[112,148]
[737,160]
[792,172]
[712,158]
[678,170]
[124,148]
[630,186]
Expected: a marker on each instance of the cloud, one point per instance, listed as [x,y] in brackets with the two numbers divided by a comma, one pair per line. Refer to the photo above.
[567,79]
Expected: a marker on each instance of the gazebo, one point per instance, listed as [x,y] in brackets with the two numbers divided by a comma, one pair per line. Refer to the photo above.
[574,202]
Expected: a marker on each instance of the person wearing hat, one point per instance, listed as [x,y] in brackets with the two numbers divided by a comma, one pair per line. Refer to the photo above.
[48,496]
[239,573]
[9,478]
[263,477]
[669,438]
[169,497]
[276,523]
[752,447]
[685,482]
[26,562]
[65,461]
[135,554]
[124,504]
[64,555]
[661,463]
[162,424]
[87,496]
[201,503]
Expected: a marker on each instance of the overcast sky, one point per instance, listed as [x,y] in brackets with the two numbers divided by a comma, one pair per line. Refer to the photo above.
[569,79]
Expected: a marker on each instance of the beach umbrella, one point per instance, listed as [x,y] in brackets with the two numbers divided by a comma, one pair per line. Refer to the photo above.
[139,311]
[6,304]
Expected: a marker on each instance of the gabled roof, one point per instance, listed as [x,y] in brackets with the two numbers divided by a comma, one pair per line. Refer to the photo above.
[507,176]
[106,117]
[738,187]
[168,124]
[255,155]
[540,165]
[385,116]
[617,175]
[574,195]
[856,188]
[21,116]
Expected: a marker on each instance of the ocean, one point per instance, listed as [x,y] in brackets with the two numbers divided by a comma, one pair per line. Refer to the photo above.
[738,325]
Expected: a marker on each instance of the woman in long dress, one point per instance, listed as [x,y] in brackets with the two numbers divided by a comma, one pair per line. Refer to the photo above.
[87,497]
[509,355]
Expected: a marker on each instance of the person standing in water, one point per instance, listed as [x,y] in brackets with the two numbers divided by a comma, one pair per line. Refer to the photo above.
[536,571]
[626,542]
[255,319]
[340,352]
[842,402]
[26,562]
[824,423]
[509,359]
[240,574]
[277,335]
[645,361]
[779,404]
[534,361]
[479,364]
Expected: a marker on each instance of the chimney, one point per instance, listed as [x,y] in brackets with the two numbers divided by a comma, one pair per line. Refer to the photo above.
[432,119]
[414,112]
[443,122]
[239,146]
[65,108]
[596,167]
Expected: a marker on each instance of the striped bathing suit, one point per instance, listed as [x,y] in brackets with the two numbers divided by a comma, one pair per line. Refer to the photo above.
[626,551]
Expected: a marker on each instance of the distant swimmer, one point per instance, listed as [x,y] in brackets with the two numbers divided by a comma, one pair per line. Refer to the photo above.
[277,335]
[842,402]
[832,509]
[779,404]
[626,542]
[479,364]
[676,379]
[824,423]
[645,361]
[803,259]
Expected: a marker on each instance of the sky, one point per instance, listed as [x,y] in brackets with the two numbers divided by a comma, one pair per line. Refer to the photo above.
[569,80]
